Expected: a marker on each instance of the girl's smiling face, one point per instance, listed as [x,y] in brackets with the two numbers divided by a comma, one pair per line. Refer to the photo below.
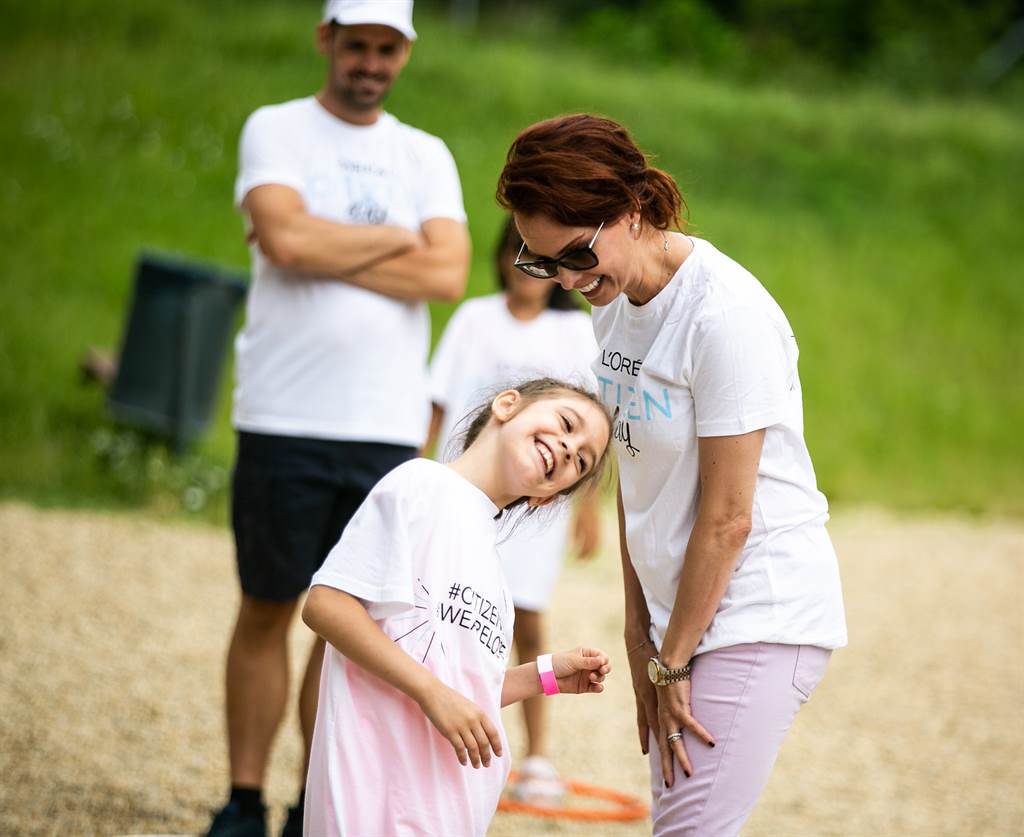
[548,444]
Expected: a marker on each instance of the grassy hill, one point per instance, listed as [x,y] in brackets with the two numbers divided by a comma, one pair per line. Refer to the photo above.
[888,229]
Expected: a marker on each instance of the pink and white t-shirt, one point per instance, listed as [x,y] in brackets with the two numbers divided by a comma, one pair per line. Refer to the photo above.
[420,554]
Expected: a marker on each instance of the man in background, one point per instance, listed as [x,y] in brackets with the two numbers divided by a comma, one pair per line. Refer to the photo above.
[355,220]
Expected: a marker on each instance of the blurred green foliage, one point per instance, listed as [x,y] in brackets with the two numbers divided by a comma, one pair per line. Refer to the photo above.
[903,44]
[888,228]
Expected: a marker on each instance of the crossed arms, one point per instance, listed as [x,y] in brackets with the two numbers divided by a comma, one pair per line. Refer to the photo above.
[427,265]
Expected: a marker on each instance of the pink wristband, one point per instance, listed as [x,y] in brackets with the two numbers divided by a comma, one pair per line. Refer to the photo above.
[547,675]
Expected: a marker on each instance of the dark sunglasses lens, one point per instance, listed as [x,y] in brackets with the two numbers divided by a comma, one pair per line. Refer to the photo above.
[538,270]
[582,259]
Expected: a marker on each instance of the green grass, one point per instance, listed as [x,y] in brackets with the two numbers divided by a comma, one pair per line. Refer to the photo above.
[888,229]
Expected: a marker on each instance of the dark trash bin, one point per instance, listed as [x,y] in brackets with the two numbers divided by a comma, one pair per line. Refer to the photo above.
[176,336]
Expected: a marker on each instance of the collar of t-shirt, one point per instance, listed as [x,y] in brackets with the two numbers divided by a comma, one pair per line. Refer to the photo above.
[662,303]
[474,496]
[335,123]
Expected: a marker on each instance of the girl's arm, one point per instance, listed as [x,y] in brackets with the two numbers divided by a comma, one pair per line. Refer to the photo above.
[342,620]
[578,671]
[587,526]
[433,430]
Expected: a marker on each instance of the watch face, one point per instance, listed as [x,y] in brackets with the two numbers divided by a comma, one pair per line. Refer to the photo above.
[652,670]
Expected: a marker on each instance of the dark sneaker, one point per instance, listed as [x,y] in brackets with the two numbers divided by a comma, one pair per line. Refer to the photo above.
[293,825]
[229,822]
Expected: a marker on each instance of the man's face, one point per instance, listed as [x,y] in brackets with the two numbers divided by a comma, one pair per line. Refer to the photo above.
[363,62]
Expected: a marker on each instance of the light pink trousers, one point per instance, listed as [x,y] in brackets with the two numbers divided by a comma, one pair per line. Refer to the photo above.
[746,696]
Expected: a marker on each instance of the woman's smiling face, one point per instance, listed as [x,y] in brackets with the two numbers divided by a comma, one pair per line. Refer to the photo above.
[616,250]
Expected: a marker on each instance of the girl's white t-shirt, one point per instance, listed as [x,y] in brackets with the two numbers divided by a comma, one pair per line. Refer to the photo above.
[317,357]
[484,348]
[420,554]
[713,355]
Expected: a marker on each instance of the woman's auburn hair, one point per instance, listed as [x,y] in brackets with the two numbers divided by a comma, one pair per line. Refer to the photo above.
[582,170]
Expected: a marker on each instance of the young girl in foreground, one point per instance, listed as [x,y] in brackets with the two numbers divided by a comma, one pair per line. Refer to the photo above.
[532,328]
[414,607]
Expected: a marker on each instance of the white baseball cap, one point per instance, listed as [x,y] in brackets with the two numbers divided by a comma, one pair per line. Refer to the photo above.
[394,13]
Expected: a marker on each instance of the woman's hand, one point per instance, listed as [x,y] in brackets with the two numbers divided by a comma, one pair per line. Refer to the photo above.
[644,691]
[581,670]
[674,716]
[463,723]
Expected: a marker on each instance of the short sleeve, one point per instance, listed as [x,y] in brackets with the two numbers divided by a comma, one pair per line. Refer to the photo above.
[266,154]
[375,558]
[743,370]
[444,364]
[440,194]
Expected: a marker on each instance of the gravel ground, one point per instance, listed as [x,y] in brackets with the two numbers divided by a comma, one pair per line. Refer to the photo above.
[114,629]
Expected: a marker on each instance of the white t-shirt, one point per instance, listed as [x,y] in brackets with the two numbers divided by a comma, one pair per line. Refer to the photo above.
[420,554]
[318,357]
[483,349]
[713,355]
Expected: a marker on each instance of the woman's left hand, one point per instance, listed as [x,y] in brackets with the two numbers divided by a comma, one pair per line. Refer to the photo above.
[580,670]
[674,715]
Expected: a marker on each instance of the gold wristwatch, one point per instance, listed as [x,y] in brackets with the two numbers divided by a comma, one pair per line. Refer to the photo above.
[662,676]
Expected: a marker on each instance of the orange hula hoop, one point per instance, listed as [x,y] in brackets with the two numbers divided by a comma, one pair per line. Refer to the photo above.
[629,807]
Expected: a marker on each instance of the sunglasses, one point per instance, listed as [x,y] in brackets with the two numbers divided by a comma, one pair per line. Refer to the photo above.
[580,258]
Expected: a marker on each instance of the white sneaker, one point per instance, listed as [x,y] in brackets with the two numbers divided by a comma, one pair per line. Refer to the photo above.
[538,784]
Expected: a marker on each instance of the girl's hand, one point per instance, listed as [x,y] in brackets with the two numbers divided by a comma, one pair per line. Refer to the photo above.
[646,694]
[674,716]
[581,670]
[463,723]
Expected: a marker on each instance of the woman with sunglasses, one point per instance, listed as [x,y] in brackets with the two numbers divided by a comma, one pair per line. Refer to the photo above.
[733,598]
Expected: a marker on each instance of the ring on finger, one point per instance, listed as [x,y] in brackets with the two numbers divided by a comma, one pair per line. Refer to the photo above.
[675,736]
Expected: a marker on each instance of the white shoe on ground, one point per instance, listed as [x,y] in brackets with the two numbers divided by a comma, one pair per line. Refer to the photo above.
[538,783]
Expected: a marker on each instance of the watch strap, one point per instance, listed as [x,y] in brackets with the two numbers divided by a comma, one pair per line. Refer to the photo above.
[668,676]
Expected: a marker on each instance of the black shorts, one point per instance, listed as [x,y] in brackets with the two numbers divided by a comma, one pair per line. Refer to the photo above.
[290,499]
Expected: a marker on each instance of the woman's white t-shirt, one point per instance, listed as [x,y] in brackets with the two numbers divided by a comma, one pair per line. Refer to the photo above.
[483,349]
[713,355]
[317,357]
[420,554]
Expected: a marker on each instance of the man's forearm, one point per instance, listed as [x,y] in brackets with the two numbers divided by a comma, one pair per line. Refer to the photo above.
[427,264]
[433,270]
[304,244]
